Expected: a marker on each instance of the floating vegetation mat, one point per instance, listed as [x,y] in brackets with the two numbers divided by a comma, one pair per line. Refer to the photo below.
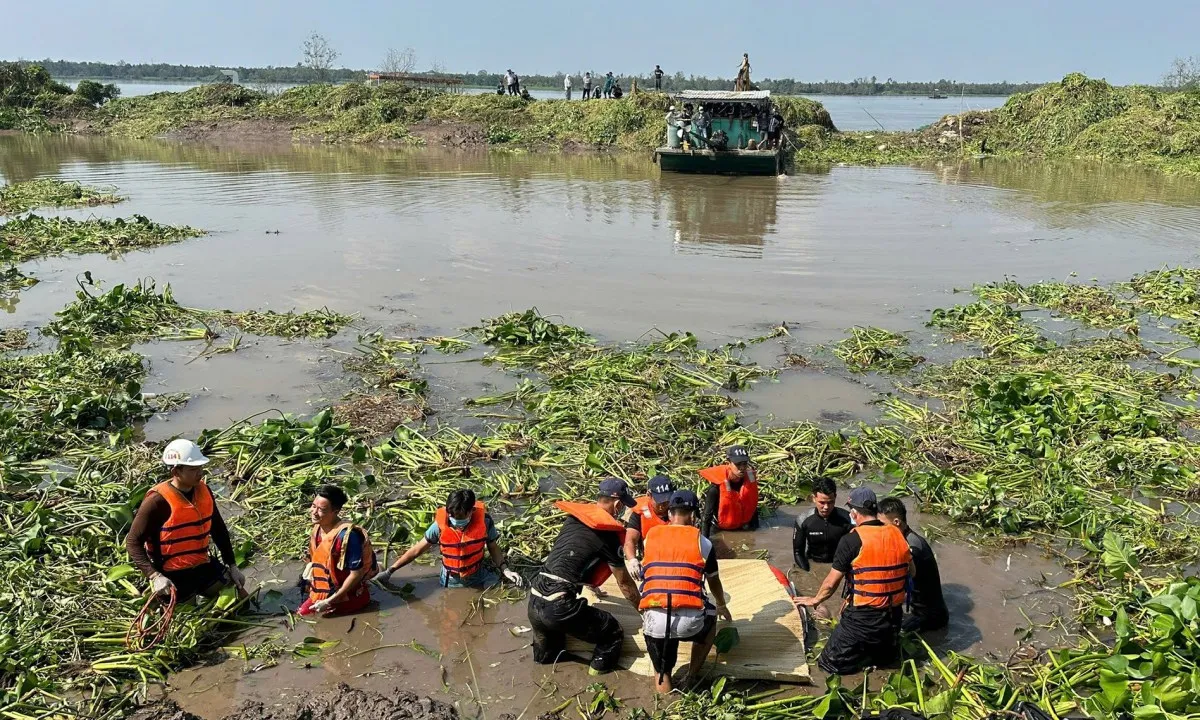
[34,236]
[49,192]
[1081,444]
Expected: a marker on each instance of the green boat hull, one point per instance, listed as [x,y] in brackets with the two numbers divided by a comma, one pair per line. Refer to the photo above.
[733,162]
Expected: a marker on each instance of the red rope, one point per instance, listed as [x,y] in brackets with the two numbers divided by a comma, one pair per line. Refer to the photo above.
[156,631]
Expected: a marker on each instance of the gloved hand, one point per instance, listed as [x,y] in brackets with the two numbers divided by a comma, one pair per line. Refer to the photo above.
[321,606]
[513,577]
[385,577]
[161,584]
[307,574]
[236,575]
[634,566]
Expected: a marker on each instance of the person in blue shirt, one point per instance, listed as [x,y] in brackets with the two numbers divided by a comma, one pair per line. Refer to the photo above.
[463,531]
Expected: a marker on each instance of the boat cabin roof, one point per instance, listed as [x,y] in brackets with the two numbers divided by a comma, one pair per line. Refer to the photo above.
[747,96]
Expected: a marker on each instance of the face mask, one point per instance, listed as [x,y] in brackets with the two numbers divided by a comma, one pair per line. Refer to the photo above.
[459,524]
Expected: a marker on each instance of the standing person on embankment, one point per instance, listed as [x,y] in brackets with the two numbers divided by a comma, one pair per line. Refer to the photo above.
[177,520]
[732,496]
[875,561]
[586,552]
[609,81]
[567,85]
[926,605]
[341,561]
[463,530]
[587,85]
[674,606]
[817,533]
[649,511]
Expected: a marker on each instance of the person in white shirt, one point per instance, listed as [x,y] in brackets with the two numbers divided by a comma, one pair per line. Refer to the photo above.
[567,85]
[587,85]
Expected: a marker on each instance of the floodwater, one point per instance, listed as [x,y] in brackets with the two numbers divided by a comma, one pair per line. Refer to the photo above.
[849,112]
[431,242]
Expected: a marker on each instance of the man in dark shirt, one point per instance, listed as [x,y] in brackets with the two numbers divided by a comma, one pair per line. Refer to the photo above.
[926,606]
[586,552]
[187,479]
[816,534]
[658,76]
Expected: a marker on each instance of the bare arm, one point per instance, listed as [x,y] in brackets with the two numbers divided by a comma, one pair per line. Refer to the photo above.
[352,582]
[411,554]
[718,593]
[832,582]
[628,586]
[494,550]
[632,538]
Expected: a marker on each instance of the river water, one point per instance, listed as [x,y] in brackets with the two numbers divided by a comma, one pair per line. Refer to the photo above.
[430,242]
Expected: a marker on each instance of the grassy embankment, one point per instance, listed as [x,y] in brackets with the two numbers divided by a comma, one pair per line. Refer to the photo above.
[1076,118]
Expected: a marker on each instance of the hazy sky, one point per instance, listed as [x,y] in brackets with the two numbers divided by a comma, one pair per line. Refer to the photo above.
[1015,40]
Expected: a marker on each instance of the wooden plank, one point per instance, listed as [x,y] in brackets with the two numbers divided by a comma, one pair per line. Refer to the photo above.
[772,633]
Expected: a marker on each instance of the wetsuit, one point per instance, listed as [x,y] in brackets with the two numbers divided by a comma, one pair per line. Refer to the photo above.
[556,609]
[816,538]
[927,607]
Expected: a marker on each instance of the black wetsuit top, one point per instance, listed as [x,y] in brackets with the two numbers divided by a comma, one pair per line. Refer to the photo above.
[816,538]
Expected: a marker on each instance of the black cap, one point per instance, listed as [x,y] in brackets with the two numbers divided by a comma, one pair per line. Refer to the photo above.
[737,454]
[684,499]
[617,488]
[661,488]
[863,499]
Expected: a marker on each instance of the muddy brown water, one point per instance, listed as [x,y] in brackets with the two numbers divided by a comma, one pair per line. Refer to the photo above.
[430,242]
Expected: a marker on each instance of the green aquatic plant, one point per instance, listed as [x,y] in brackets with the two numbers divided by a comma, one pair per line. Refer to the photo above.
[51,192]
[997,327]
[34,236]
[1090,304]
[871,348]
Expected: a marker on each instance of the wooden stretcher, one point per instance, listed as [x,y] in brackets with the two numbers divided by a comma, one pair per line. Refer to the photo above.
[771,630]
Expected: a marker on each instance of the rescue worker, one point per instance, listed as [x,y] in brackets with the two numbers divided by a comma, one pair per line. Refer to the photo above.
[926,606]
[649,511]
[732,496]
[586,552]
[876,562]
[674,605]
[463,530]
[817,533]
[175,523]
[341,561]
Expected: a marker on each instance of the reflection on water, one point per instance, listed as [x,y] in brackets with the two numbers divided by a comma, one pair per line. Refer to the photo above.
[737,212]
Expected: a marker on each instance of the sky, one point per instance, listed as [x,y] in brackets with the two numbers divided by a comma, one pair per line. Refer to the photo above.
[1015,40]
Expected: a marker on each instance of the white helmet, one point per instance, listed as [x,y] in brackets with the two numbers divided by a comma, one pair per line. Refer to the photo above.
[183,452]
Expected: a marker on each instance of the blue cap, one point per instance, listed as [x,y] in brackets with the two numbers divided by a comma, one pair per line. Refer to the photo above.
[617,488]
[863,498]
[685,499]
[661,488]
[737,454]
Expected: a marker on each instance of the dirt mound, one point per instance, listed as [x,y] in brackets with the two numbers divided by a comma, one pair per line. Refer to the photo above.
[341,703]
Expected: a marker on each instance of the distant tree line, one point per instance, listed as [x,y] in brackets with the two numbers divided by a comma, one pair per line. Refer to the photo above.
[306,73]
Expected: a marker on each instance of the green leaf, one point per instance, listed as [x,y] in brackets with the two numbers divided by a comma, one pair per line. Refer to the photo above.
[1122,625]
[727,639]
[119,572]
[1118,558]
[1115,688]
[1166,603]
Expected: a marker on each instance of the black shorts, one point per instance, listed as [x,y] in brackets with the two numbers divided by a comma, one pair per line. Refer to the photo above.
[664,654]
[207,579]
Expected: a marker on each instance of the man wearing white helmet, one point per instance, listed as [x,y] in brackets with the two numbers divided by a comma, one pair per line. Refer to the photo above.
[170,537]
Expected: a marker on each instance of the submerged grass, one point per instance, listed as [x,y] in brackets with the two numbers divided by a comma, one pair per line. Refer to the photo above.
[34,236]
[51,192]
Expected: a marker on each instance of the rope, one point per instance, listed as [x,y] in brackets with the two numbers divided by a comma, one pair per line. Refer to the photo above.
[156,631]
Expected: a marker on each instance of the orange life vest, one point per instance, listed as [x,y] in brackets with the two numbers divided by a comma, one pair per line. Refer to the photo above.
[673,568]
[879,575]
[329,563]
[650,518]
[462,550]
[736,507]
[183,538]
[591,515]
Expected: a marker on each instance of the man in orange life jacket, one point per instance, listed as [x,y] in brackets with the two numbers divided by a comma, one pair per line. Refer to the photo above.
[674,606]
[875,560]
[649,511]
[341,560]
[174,524]
[586,552]
[463,530]
[732,496]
